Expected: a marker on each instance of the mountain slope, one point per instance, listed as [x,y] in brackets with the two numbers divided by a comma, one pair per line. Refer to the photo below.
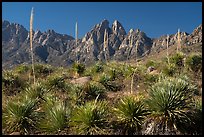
[60,50]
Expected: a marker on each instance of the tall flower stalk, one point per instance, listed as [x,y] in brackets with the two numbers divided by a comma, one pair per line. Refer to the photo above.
[105,43]
[31,43]
[132,80]
[167,48]
[178,41]
[76,36]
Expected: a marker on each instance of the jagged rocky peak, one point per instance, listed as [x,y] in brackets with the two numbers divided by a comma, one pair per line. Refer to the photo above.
[117,28]
[197,30]
[50,31]
[37,34]
[102,26]
[5,23]
[131,31]
[105,23]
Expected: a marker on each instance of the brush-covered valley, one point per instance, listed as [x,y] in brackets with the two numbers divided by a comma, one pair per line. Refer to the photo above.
[157,95]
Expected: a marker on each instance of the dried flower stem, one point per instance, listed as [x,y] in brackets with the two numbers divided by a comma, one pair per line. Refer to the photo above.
[105,44]
[167,48]
[31,43]
[76,36]
[178,41]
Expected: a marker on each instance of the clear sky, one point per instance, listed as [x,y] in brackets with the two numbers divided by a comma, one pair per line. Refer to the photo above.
[154,18]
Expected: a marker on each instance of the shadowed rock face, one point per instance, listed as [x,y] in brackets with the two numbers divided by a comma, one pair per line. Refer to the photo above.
[60,49]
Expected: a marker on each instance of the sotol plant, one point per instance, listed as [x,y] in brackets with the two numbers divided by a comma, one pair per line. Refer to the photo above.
[20,116]
[130,113]
[169,100]
[91,118]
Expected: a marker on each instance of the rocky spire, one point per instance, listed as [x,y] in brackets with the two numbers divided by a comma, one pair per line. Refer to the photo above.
[117,28]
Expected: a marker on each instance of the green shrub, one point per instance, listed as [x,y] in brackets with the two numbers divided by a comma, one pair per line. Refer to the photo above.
[92,90]
[177,59]
[151,63]
[98,67]
[130,113]
[56,83]
[20,116]
[12,83]
[36,91]
[169,99]
[79,68]
[194,62]
[22,69]
[90,119]
[169,69]
[55,118]
[43,70]
[151,78]
[108,84]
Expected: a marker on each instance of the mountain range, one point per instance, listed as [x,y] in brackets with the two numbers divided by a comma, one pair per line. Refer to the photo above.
[57,49]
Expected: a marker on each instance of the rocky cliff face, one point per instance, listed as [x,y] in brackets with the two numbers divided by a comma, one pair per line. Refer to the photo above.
[61,50]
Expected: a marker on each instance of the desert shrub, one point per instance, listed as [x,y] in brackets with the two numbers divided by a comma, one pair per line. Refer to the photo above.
[90,119]
[20,116]
[115,74]
[110,85]
[56,83]
[98,67]
[56,116]
[43,70]
[78,68]
[169,99]
[92,90]
[194,127]
[36,91]
[12,83]
[169,69]
[127,70]
[151,63]
[194,62]
[177,59]
[150,78]
[130,113]
[22,69]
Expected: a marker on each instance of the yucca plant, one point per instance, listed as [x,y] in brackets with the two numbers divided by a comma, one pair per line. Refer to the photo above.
[110,85]
[177,59]
[90,119]
[91,90]
[169,69]
[78,68]
[43,70]
[12,83]
[20,116]
[194,127]
[169,99]
[130,113]
[36,91]
[98,67]
[56,117]
[22,69]
[194,62]
[56,83]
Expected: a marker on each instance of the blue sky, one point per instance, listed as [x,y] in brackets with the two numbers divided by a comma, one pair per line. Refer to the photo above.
[154,18]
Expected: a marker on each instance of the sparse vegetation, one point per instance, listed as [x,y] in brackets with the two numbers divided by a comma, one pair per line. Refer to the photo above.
[165,101]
